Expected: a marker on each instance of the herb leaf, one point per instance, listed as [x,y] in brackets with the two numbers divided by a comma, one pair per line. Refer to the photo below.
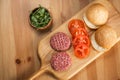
[40,17]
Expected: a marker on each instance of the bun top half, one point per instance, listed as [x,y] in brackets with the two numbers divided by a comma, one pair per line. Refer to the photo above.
[105,36]
[97,14]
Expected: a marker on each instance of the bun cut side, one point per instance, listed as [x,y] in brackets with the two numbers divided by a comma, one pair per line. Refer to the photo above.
[95,44]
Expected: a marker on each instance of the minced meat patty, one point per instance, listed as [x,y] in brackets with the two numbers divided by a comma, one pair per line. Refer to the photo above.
[60,61]
[60,41]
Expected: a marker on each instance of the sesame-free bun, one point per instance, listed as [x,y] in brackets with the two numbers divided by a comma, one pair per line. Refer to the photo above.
[96,15]
[103,38]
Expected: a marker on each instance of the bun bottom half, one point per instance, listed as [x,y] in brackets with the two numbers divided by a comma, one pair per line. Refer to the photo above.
[95,45]
[88,23]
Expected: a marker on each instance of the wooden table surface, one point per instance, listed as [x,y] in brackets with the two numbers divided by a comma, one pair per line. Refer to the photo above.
[18,41]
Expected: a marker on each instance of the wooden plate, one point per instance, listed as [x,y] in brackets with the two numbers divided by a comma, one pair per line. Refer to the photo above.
[45,51]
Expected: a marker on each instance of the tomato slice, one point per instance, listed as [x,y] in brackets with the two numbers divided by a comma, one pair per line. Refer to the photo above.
[81,51]
[80,39]
[75,24]
[79,31]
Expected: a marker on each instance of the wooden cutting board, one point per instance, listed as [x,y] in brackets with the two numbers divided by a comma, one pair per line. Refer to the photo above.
[45,51]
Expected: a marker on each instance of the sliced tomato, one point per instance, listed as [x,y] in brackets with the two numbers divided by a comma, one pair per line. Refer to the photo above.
[81,51]
[79,31]
[75,24]
[80,39]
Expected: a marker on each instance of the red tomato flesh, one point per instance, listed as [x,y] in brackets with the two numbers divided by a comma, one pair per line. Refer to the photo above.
[80,37]
[81,51]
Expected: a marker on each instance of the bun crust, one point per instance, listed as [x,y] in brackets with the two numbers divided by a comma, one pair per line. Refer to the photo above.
[97,14]
[105,36]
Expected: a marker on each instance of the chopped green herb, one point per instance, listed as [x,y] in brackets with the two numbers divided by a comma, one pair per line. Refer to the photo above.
[40,17]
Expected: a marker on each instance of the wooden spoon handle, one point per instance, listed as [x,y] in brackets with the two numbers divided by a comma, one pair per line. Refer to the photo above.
[35,75]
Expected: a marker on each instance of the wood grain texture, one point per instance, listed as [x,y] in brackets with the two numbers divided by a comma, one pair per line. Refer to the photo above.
[18,41]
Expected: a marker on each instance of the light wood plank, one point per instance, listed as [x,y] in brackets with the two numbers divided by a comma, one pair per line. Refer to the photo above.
[19,41]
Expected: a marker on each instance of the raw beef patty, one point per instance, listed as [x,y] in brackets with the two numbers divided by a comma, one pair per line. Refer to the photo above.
[60,41]
[60,61]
